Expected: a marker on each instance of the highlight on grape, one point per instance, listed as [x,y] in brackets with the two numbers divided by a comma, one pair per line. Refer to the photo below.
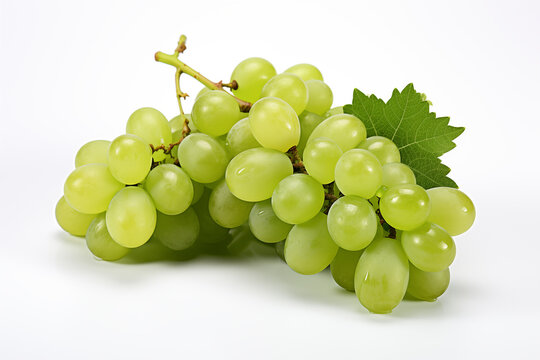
[266,159]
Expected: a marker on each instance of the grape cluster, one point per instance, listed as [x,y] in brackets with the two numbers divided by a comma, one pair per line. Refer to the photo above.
[293,172]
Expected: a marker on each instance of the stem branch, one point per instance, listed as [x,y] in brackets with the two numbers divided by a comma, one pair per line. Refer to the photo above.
[172,59]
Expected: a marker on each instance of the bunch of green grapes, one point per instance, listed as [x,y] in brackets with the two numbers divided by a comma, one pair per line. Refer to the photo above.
[293,172]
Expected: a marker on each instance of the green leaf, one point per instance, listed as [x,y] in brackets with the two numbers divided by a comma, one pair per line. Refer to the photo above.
[420,135]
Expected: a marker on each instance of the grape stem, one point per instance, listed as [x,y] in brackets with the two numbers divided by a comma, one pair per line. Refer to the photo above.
[330,196]
[182,68]
[296,160]
[391,230]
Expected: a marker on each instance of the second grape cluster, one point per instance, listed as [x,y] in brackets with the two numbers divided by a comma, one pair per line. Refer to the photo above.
[292,172]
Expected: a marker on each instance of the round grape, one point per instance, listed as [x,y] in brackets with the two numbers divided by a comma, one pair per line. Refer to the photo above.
[203,158]
[305,72]
[297,198]
[358,172]
[130,159]
[251,75]
[150,125]
[289,88]
[215,112]
[320,97]
[451,209]
[384,149]
[93,152]
[170,188]
[405,206]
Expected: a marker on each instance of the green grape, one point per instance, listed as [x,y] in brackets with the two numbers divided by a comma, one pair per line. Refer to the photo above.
[215,112]
[210,232]
[308,122]
[384,149]
[346,130]
[90,188]
[305,72]
[397,173]
[279,248]
[203,91]
[130,159]
[177,127]
[131,217]
[289,88]
[240,138]
[352,222]
[177,232]
[320,97]
[214,184]
[381,276]
[358,172]
[405,206]
[309,248]
[100,242]
[265,225]
[274,124]
[69,219]
[93,152]
[297,198]
[427,286]
[343,268]
[451,209]
[320,158]
[333,111]
[170,188]
[241,239]
[198,190]
[251,75]
[226,209]
[253,174]
[429,247]
[203,158]
[150,125]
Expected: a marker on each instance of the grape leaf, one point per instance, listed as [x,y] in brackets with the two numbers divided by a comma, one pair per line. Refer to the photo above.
[420,136]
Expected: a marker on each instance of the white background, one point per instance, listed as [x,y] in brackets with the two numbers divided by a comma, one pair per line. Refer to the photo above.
[74,71]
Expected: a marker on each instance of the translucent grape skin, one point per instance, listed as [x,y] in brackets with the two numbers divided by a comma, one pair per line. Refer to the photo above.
[320,97]
[320,158]
[405,207]
[427,286]
[358,172]
[215,112]
[384,149]
[150,125]
[72,221]
[265,225]
[203,158]
[226,209]
[352,222]
[198,190]
[429,247]
[90,188]
[290,88]
[397,173]
[130,159]
[279,248]
[308,122]
[333,111]
[274,124]
[253,174]
[177,232]
[251,75]
[305,72]
[210,232]
[100,242]
[93,152]
[346,130]
[241,239]
[171,189]
[343,268]
[131,217]
[309,249]
[297,198]
[240,138]
[381,276]
[451,209]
